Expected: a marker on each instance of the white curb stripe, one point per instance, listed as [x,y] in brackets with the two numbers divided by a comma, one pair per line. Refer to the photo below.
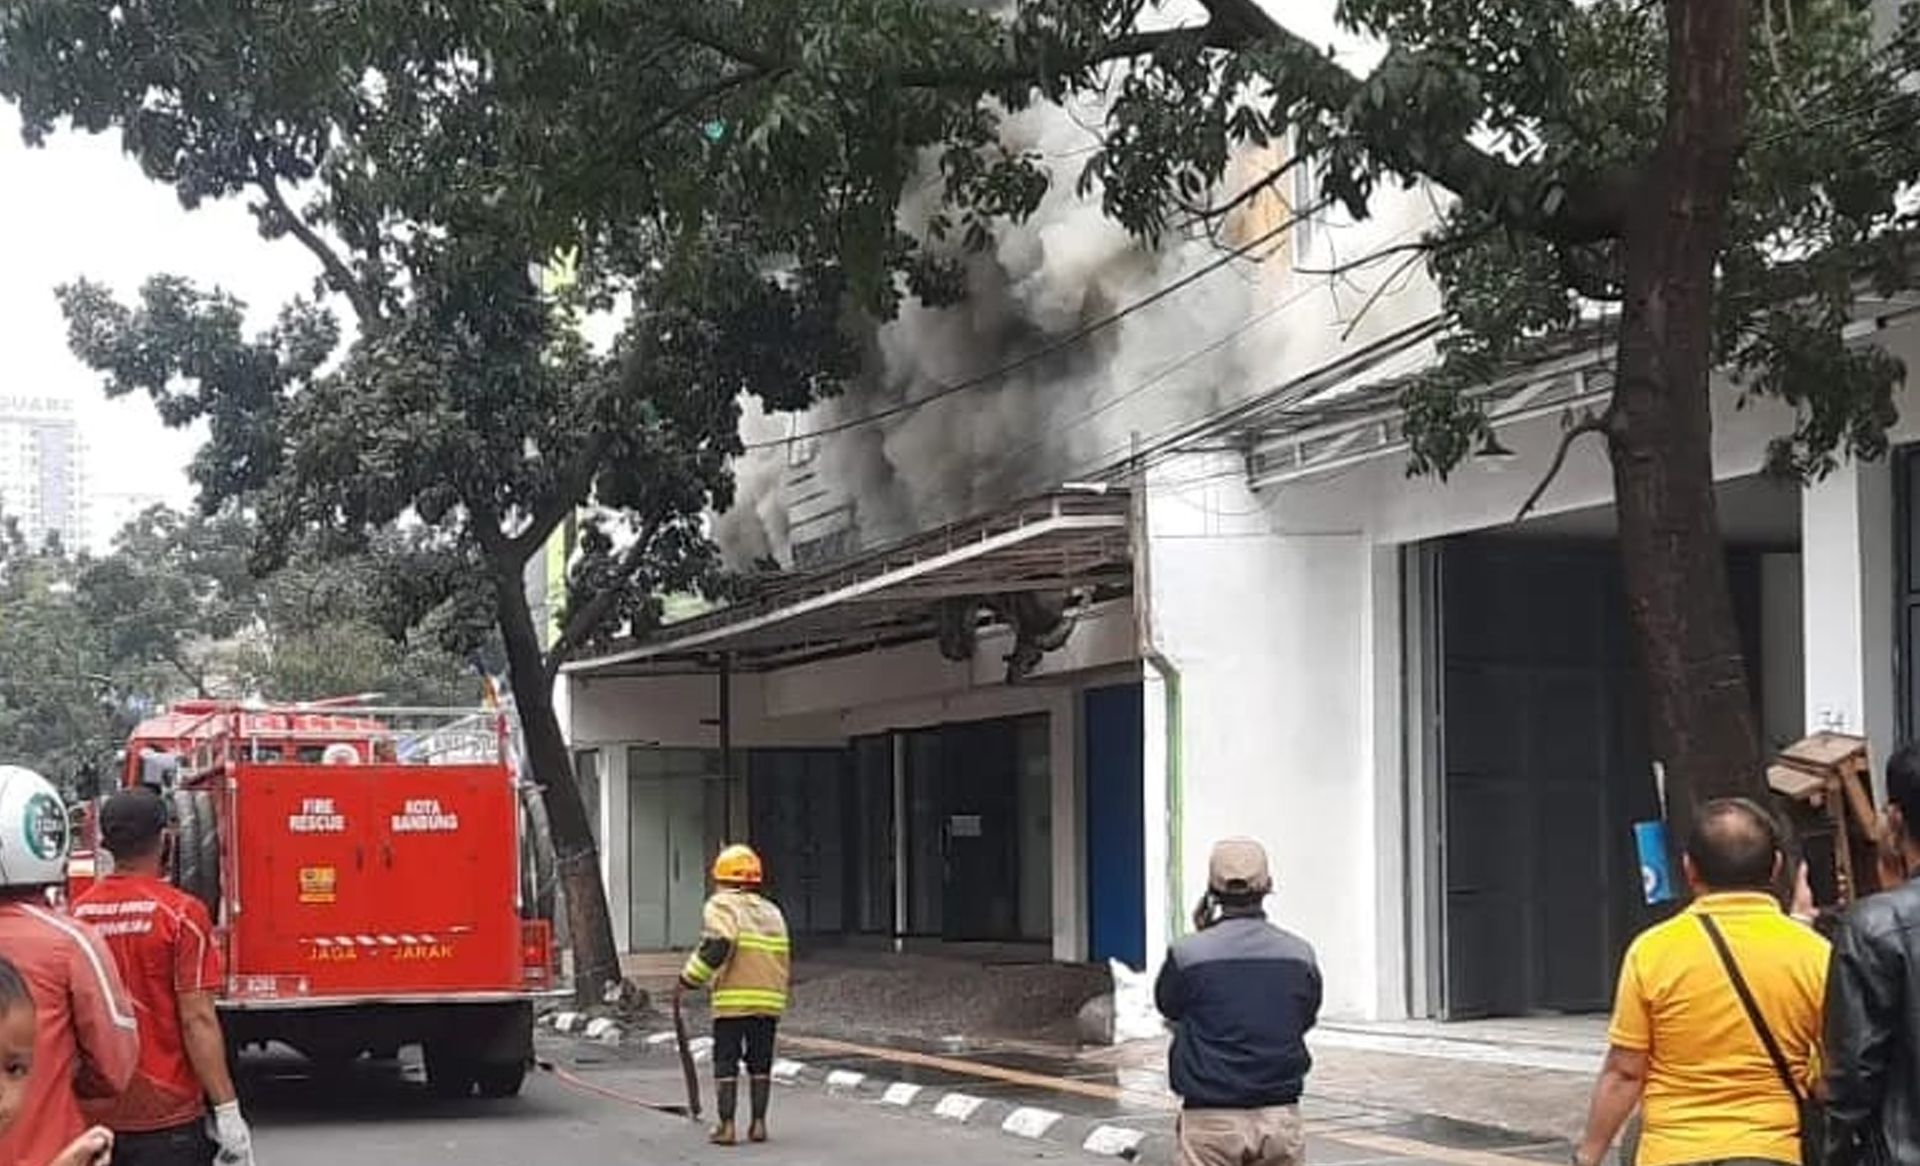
[958,1107]
[1114,1141]
[598,1027]
[1029,1122]
[656,1039]
[787,1071]
[567,1021]
[900,1093]
[845,1079]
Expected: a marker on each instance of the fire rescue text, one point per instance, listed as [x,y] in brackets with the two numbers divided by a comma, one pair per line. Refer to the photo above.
[317,816]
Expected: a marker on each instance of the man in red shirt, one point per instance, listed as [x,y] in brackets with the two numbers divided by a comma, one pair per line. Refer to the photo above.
[162,939]
[86,1040]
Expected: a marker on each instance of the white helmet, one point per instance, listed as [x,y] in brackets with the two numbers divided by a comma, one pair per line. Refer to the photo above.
[33,830]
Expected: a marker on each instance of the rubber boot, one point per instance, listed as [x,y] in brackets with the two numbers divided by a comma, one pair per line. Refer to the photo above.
[760,1090]
[726,1099]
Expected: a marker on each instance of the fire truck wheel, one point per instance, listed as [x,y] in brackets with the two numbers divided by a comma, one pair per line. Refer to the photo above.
[450,1074]
[196,858]
[502,1079]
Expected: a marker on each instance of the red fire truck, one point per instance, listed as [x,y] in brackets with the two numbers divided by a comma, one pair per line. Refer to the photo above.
[378,878]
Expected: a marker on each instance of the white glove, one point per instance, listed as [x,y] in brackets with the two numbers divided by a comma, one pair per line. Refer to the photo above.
[231,1134]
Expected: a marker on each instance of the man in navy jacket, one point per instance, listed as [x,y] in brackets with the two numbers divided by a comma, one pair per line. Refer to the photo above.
[1241,995]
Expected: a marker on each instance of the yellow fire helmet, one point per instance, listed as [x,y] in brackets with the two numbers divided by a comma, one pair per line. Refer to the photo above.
[738,865]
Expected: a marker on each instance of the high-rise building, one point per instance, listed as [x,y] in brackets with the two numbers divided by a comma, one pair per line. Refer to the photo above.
[42,469]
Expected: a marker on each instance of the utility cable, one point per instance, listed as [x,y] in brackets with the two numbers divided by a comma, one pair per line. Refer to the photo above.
[1071,339]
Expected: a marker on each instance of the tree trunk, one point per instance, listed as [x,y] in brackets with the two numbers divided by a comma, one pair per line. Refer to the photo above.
[1700,713]
[596,961]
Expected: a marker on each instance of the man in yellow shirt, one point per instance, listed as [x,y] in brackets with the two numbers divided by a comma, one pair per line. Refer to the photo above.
[1684,1047]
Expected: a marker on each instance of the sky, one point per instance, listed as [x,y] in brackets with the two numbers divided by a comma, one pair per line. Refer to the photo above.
[78,207]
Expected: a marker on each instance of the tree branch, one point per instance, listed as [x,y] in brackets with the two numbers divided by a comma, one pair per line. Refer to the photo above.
[186,673]
[1601,423]
[568,492]
[1417,248]
[1562,208]
[701,95]
[589,617]
[339,275]
[1209,214]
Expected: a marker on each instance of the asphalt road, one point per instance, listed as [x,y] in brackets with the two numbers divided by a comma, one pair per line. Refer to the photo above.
[383,1114]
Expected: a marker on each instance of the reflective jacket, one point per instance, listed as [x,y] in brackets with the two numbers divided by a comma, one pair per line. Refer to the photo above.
[744,954]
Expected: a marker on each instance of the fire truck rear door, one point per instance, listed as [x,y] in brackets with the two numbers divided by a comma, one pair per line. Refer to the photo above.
[447,857]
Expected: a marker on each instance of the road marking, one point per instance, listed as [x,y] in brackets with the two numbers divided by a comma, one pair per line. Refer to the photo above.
[1114,1141]
[1029,1122]
[566,1021]
[655,1040]
[845,1079]
[958,1107]
[787,1071]
[989,1072]
[900,1093]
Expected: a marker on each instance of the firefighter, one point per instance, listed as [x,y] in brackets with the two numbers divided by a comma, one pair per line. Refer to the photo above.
[744,955]
[86,1040]
[162,939]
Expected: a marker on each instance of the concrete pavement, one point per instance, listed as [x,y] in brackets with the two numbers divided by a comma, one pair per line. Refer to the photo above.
[383,1114]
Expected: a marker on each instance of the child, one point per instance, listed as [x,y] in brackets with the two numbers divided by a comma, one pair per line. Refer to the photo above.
[93,1148]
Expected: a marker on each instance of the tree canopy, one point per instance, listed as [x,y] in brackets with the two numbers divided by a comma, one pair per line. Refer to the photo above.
[437,164]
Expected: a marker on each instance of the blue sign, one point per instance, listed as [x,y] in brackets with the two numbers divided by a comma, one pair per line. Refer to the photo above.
[1656,870]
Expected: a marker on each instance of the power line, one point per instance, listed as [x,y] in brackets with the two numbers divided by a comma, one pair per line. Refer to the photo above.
[1071,339]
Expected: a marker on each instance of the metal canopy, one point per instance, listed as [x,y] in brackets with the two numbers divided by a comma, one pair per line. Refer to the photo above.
[1350,413]
[1058,542]
[1357,423]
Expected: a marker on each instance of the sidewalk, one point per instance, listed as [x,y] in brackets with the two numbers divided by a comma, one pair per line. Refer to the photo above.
[1003,1031]
[1527,1077]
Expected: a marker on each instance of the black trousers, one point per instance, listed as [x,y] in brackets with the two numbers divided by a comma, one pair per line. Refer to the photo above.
[742,1038]
[186,1145]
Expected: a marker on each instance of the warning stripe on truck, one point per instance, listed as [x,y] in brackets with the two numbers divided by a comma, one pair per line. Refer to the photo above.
[372,940]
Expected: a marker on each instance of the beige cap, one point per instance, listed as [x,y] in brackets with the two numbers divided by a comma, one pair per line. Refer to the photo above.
[1239,866]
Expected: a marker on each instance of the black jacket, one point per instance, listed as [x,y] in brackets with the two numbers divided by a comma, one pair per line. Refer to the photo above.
[1873,1033]
[1241,995]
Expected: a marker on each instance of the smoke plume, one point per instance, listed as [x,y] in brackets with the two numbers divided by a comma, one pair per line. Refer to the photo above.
[1068,414]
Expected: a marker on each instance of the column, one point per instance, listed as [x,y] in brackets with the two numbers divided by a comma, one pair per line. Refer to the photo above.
[1847,572]
[613,810]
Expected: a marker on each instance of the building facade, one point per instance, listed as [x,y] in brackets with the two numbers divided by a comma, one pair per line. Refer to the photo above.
[1213,603]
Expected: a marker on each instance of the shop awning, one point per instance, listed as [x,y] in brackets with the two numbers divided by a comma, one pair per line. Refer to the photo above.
[1062,542]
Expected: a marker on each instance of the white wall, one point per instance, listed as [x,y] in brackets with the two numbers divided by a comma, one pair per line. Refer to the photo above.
[1272,635]
[1847,560]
